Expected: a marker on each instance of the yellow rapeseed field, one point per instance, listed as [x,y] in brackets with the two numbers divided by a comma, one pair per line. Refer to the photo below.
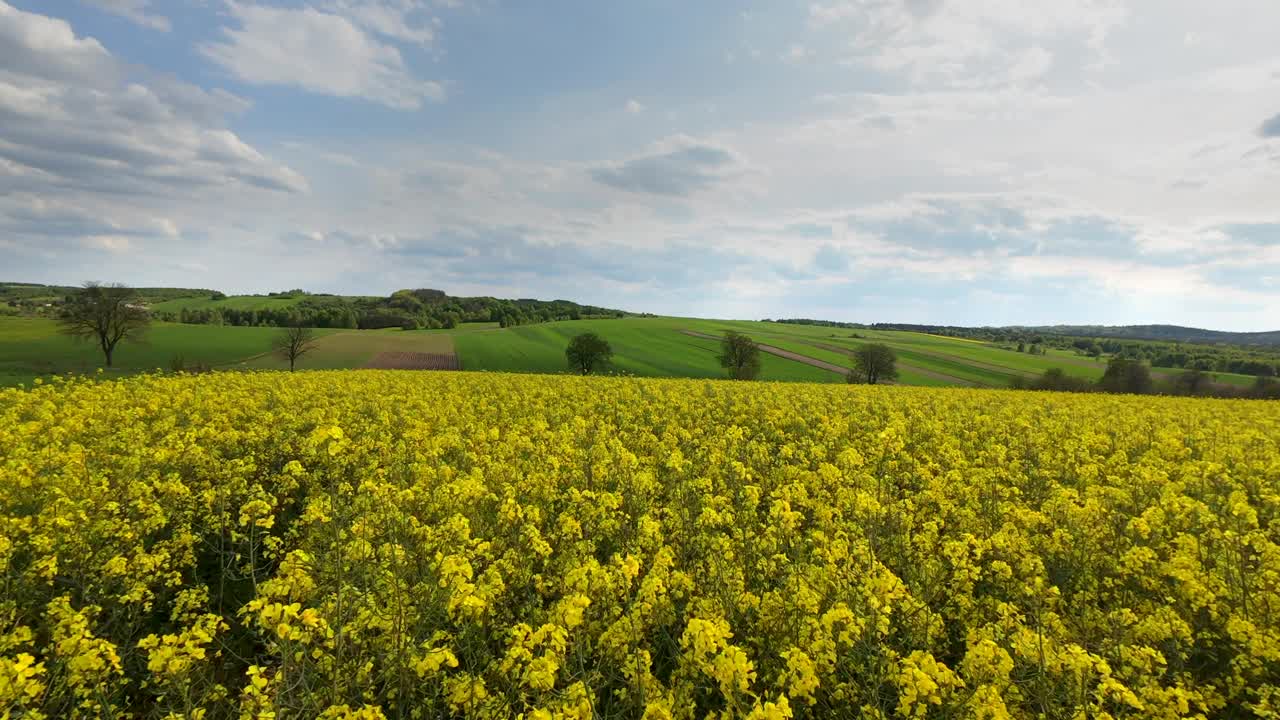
[379,544]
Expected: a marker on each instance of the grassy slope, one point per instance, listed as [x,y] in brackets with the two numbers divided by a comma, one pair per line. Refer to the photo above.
[643,346]
[1227,378]
[968,361]
[32,346]
[934,357]
[235,302]
[355,348]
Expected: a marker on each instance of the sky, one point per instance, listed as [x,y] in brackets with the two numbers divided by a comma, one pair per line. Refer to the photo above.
[966,162]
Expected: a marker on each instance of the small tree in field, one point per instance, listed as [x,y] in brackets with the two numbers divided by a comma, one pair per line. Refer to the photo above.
[1126,375]
[740,355]
[587,352]
[294,342]
[873,363]
[1192,382]
[105,314]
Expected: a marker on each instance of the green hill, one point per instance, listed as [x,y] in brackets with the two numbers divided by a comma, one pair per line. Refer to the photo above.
[489,334]
[643,346]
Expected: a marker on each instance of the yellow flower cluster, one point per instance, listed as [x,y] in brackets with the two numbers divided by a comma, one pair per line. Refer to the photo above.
[388,544]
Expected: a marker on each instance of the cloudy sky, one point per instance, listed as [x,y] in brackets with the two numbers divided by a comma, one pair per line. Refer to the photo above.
[943,161]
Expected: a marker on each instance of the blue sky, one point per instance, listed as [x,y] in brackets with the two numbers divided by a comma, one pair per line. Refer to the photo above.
[936,161]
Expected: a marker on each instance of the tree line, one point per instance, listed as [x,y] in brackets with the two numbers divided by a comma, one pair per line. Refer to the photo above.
[421,308]
[1251,360]
[1133,376]
[110,314]
[739,356]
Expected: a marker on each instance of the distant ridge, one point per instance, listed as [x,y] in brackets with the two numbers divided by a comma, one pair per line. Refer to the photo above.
[1172,333]
[1166,333]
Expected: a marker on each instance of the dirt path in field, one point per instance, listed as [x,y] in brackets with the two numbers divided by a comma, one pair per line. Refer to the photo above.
[1077,361]
[840,369]
[242,361]
[940,376]
[993,367]
[832,367]
[978,364]
[399,360]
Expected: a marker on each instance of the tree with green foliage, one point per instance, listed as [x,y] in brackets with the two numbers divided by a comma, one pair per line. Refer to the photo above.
[294,342]
[105,314]
[1053,380]
[1126,375]
[588,352]
[1191,382]
[740,355]
[873,363]
[1265,388]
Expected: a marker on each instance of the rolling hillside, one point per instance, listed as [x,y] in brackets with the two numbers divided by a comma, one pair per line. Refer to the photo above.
[1175,333]
[643,346]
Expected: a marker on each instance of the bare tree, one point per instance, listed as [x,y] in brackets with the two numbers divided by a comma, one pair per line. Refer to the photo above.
[739,355]
[294,342]
[105,314]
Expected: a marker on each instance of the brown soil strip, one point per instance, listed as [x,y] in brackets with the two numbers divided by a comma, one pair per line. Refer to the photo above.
[942,377]
[242,361]
[832,367]
[941,356]
[1077,361]
[782,354]
[912,368]
[978,363]
[413,361]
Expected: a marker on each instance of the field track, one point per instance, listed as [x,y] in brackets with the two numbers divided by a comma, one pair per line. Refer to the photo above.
[994,367]
[951,379]
[783,354]
[400,360]
[832,367]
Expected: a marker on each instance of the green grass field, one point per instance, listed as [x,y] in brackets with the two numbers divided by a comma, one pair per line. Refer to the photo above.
[650,347]
[235,302]
[31,347]
[354,348]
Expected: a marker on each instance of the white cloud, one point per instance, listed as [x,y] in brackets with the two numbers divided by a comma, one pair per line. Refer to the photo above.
[135,11]
[796,53]
[47,48]
[97,154]
[390,18]
[320,52]
[166,227]
[74,118]
[1271,127]
[967,152]
[677,167]
[967,42]
[110,243]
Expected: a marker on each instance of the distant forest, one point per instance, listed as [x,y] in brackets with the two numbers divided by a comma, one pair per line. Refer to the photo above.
[1168,346]
[408,309]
